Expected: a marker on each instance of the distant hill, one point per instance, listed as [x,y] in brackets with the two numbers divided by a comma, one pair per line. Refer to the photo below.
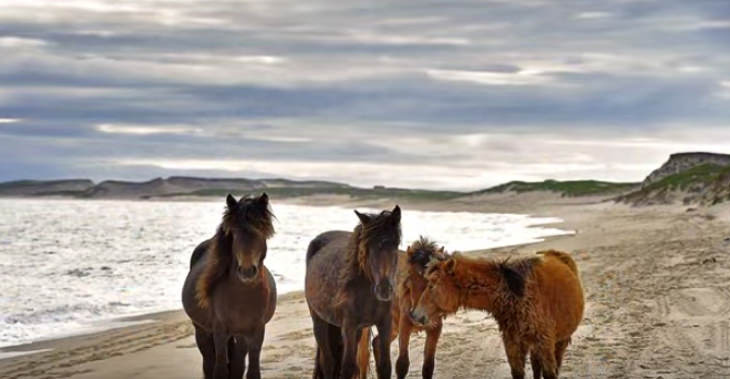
[689,178]
[568,188]
[178,186]
[44,187]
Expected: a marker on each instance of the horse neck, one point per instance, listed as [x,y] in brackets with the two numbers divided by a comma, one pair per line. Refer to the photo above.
[479,285]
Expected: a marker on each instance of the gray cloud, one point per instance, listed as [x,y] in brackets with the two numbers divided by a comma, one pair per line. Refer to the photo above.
[463,93]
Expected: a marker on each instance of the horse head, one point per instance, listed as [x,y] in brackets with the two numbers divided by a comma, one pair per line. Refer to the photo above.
[247,223]
[378,250]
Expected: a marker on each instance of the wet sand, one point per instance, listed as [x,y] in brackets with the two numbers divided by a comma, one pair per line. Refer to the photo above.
[657,283]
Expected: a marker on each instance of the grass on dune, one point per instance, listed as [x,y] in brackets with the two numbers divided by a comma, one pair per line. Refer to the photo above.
[566,188]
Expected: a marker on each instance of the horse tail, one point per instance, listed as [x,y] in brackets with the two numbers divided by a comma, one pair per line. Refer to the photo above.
[198,253]
[563,257]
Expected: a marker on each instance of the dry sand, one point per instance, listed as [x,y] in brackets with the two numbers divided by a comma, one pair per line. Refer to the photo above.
[657,284]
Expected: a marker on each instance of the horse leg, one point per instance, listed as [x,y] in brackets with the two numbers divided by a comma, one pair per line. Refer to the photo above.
[404,339]
[363,353]
[429,352]
[546,355]
[255,341]
[220,340]
[324,363]
[237,357]
[516,355]
[336,346]
[536,365]
[560,347]
[204,340]
[317,373]
[385,327]
[350,339]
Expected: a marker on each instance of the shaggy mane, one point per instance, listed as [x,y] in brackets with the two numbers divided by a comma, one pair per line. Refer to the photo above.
[474,273]
[516,273]
[423,251]
[250,217]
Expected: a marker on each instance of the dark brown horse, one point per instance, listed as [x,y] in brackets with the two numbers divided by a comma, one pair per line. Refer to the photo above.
[411,284]
[229,294]
[349,285]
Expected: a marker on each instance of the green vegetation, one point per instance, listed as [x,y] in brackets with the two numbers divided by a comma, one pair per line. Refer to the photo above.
[699,175]
[707,183]
[568,188]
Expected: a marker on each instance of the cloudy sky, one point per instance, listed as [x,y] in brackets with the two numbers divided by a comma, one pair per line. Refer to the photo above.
[433,94]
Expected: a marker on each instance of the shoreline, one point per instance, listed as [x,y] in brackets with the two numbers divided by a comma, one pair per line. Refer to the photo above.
[656,305]
[124,322]
[133,320]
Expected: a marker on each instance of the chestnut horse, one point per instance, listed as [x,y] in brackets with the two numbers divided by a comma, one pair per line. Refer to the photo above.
[411,283]
[537,303]
[229,294]
[349,285]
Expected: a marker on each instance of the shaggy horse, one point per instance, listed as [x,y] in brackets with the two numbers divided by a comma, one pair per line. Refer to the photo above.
[537,303]
[349,285]
[411,283]
[229,294]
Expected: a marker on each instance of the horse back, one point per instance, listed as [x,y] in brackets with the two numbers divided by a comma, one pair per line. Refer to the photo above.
[563,257]
[199,251]
[327,239]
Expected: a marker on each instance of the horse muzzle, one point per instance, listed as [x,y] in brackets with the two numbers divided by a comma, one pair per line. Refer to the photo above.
[384,291]
[247,274]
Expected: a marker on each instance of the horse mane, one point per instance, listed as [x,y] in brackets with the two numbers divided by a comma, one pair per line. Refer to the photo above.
[516,273]
[418,256]
[380,228]
[250,217]
[511,273]
[423,250]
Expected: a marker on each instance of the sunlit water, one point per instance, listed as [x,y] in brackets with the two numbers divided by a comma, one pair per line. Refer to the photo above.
[67,264]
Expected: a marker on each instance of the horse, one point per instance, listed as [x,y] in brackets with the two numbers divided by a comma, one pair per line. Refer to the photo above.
[349,284]
[411,283]
[537,303]
[229,294]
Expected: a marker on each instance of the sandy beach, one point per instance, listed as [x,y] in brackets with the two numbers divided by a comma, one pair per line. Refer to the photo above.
[657,306]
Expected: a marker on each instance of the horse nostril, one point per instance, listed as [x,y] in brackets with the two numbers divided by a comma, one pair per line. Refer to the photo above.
[249,272]
[386,288]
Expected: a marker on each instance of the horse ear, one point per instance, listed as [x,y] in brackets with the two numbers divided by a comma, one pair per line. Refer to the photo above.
[264,200]
[396,214]
[231,202]
[364,219]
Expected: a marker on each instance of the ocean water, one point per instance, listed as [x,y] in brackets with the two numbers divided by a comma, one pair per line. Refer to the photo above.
[66,266]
